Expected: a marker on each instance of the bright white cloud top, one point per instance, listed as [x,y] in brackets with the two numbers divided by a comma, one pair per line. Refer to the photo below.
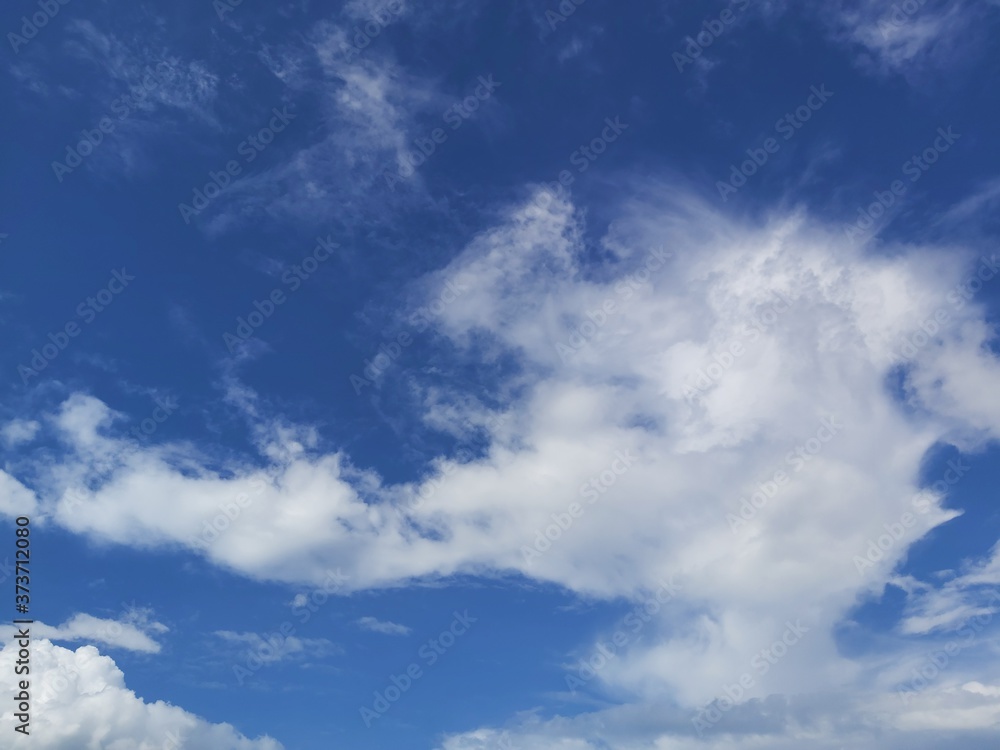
[81,700]
[715,410]
[716,413]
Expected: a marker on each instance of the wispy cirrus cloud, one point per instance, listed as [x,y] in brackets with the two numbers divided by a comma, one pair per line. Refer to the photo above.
[137,85]
[385,627]
[286,648]
[914,39]
[369,107]
[190,88]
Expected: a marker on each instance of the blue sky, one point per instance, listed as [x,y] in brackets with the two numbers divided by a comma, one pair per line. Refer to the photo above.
[473,375]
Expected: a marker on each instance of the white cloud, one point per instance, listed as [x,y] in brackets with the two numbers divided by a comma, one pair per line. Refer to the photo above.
[188,86]
[963,596]
[279,648]
[373,110]
[956,716]
[80,700]
[379,626]
[135,82]
[984,199]
[31,78]
[607,359]
[379,10]
[16,499]
[910,40]
[134,632]
[19,431]
[369,104]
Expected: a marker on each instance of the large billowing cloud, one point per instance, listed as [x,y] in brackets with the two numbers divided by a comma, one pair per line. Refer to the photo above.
[963,717]
[79,700]
[715,408]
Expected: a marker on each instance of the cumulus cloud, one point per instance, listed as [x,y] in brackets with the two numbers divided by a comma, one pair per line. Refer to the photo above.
[707,361]
[80,700]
